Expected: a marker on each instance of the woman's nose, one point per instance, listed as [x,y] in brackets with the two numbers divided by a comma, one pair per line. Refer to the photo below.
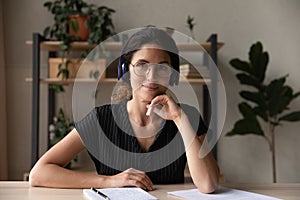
[151,73]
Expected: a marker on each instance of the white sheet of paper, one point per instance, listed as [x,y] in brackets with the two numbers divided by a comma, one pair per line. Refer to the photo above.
[130,193]
[221,193]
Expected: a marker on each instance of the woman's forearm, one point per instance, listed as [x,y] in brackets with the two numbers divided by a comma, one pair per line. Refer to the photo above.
[52,175]
[49,170]
[204,171]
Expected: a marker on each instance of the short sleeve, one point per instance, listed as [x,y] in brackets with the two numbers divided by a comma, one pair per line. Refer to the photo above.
[87,127]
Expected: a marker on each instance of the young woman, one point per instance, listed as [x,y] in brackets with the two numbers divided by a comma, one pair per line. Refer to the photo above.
[142,141]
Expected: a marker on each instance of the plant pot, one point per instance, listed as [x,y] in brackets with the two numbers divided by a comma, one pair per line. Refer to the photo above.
[80,22]
[53,67]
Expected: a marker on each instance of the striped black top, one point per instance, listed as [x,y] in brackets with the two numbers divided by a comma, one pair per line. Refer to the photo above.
[109,138]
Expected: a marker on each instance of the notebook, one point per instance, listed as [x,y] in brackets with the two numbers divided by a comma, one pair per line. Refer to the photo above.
[126,193]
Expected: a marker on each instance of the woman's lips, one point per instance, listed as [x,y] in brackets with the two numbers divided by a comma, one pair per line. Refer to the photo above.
[150,87]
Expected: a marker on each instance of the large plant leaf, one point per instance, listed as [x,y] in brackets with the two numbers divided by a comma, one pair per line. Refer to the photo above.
[296,95]
[255,97]
[291,117]
[279,96]
[241,65]
[261,112]
[278,105]
[259,60]
[274,86]
[249,80]
[246,126]
[246,110]
[255,50]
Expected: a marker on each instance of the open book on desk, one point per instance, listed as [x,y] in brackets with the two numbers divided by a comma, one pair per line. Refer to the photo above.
[220,193]
[126,193]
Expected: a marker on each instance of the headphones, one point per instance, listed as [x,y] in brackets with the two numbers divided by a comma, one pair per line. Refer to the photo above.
[122,69]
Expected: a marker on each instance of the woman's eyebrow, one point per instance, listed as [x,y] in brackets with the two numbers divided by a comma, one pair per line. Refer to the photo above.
[142,60]
[164,62]
[146,61]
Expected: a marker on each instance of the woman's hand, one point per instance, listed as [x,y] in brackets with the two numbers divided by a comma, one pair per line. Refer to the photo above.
[169,109]
[131,177]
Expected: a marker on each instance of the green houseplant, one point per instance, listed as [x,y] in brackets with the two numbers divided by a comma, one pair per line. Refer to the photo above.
[97,25]
[60,128]
[266,103]
[190,24]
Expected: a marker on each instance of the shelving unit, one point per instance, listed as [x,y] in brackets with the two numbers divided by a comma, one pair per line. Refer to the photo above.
[40,44]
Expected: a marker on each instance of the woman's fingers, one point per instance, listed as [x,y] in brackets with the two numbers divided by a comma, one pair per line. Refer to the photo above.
[161,99]
[165,107]
[133,177]
[142,178]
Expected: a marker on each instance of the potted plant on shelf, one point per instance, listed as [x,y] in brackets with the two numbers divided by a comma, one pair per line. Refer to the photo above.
[267,103]
[76,20]
[60,128]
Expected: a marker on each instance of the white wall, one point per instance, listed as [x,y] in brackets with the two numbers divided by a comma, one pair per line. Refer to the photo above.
[239,23]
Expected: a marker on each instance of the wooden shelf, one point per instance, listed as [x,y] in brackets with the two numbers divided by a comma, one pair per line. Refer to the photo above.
[105,80]
[69,81]
[195,47]
[116,46]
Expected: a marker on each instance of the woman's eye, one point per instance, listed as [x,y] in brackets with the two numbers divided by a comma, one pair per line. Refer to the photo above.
[142,65]
[163,67]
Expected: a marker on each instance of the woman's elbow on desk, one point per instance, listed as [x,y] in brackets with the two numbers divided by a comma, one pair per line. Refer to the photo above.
[208,185]
[38,176]
[34,179]
[207,188]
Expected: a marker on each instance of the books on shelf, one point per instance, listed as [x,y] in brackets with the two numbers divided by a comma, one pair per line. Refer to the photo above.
[190,71]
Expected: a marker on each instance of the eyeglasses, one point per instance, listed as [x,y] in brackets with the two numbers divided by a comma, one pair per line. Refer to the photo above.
[142,69]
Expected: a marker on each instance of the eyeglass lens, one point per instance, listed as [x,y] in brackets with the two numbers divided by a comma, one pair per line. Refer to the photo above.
[162,70]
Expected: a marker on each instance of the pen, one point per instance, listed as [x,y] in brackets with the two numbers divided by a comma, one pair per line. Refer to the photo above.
[100,193]
[149,111]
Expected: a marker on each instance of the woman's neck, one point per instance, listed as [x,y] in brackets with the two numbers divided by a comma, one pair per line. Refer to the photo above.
[137,112]
[145,127]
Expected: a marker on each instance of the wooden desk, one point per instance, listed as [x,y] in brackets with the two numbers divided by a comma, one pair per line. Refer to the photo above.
[12,190]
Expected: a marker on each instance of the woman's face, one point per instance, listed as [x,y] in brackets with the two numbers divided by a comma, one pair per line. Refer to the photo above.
[154,81]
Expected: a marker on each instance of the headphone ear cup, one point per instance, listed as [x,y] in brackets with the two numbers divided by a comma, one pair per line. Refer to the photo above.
[124,69]
[120,71]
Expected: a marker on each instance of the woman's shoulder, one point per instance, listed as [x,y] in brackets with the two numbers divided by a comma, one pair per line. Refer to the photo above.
[102,107]
[109,108]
